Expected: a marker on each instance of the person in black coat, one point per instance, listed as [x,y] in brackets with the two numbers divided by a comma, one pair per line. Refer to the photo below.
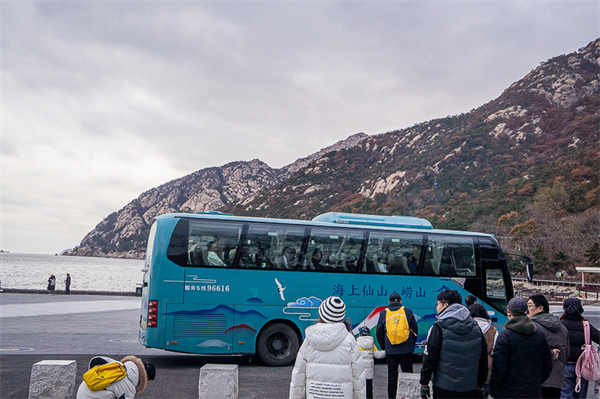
[522,359]
[573,321]
[68,284]
[51,284]
[400,354]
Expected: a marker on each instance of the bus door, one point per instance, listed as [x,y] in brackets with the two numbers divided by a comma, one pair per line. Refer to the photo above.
[496,279]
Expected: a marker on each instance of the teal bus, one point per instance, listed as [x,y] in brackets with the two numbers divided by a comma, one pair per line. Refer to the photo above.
[217,284]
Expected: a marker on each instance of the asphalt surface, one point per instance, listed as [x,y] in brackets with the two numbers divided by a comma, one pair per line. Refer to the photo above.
[35,327]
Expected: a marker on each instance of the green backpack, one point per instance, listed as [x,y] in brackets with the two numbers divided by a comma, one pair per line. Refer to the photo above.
[396,326]
[99,377]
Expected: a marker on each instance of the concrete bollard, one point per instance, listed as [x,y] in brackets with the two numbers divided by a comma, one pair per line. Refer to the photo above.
[409,386]
[218,381]
[52,379]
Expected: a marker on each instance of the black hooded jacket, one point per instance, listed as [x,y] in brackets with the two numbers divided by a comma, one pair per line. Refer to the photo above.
[521,360]
[574,326]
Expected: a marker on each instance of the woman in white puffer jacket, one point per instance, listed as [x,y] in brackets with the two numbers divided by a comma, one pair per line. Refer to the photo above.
[329,363]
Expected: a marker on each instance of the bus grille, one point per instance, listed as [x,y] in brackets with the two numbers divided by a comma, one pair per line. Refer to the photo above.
[203,326]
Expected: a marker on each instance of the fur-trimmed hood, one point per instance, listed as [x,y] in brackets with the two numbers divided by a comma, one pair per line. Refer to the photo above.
[143,377]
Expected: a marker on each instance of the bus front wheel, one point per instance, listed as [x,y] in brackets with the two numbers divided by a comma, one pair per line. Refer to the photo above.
[278,345]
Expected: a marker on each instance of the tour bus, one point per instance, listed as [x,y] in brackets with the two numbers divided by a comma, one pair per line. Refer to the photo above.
[217,284]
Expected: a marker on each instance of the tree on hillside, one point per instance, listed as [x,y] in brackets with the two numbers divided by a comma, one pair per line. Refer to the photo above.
[523,235]
[592,255]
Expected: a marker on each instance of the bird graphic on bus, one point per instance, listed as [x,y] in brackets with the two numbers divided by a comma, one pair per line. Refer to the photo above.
[280,289]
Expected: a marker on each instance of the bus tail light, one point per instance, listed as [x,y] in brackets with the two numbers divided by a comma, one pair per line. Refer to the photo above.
[152,317]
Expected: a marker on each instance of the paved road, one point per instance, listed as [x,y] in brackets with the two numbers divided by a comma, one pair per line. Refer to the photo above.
[37,327]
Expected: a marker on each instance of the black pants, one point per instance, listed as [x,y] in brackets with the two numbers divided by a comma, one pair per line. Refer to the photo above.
[369,388]
[67,289]
[404,360]
[550,393]
[439,393]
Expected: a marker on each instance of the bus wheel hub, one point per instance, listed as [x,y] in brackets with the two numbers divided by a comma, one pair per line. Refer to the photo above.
[277,344]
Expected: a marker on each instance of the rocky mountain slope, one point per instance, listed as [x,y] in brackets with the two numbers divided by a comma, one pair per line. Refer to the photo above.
[524,166]
[124,233]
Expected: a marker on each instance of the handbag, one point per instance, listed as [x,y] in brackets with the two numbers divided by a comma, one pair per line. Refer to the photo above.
[588,364]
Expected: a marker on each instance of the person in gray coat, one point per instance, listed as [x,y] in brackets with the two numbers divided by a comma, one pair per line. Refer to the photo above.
[557,336]
[138,375]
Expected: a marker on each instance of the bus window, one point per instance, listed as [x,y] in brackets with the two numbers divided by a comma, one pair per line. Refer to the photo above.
[488,248]
[495,289]
[449,256]
[213,244]
[271,247]
[394,253]
[333,250]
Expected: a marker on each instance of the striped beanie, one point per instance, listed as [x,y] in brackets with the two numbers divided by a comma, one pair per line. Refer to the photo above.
[332,310]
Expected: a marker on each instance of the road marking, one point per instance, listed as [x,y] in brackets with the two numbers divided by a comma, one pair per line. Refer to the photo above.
[16,349]
[123,340]
[57,308]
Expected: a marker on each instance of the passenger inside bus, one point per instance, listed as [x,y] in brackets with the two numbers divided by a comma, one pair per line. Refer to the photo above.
[411,262]
[245,257]
[212,257]
[286,260]
[317,258]
[382,265]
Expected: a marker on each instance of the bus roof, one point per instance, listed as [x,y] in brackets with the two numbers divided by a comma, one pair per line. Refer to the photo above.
[320,221]
[374,220]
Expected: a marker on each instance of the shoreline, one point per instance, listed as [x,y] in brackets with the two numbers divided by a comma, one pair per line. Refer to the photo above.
[62,292]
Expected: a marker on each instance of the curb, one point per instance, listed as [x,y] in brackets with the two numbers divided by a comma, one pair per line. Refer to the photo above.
[62,292]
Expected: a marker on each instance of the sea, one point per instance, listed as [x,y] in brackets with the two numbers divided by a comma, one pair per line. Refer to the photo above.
[31,271]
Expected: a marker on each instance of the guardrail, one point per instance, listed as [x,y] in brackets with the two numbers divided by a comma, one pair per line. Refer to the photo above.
[582,289]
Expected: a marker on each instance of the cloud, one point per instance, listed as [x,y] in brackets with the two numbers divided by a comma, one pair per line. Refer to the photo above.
[304,302]
[103,100]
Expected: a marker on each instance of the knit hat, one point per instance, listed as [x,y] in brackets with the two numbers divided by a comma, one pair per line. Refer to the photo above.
[332,310]
[517,306]
[573,306]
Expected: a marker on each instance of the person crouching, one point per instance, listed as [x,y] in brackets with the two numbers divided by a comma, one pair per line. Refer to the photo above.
[138,375]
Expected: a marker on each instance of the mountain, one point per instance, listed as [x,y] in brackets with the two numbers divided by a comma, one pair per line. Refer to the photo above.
[524,166]
[124,233]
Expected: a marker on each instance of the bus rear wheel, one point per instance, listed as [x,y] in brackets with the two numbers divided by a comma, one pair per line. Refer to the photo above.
[278,345]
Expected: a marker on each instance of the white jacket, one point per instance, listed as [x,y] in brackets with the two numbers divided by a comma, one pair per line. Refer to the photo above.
[368,351]
[134,382]
[328,362]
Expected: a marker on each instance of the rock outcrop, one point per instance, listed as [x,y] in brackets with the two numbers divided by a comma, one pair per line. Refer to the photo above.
[124,233]
[460,172]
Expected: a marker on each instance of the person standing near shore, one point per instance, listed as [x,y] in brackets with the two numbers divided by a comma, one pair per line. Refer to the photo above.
[51,284]
[68,284]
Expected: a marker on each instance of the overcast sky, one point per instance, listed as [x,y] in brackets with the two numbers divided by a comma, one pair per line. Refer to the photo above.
[101,101]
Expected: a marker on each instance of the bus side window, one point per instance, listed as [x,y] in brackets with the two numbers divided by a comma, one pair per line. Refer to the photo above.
[275,246]
[333,250]
[393,253]
[211,244]
[450,256]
